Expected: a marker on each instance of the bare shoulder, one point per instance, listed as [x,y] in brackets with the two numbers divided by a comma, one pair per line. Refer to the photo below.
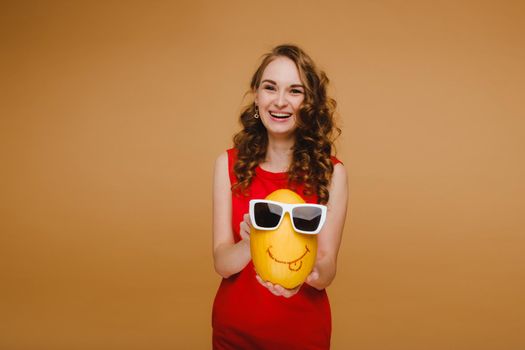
[222,160]
[221,176]
[221,165]
[339,175]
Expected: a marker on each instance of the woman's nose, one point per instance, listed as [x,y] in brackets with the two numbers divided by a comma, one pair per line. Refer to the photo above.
[281,101]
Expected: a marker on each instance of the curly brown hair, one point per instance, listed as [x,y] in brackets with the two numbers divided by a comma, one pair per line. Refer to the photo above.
[314,136]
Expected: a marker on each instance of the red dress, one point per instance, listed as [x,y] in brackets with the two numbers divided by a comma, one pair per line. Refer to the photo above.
[245,314]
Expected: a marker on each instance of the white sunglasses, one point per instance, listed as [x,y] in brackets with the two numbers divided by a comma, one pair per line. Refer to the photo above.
[306,218]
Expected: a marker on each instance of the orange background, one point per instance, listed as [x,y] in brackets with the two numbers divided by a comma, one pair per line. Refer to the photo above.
[113,112]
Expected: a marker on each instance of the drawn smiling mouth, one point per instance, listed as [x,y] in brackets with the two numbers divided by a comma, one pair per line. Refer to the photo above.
[292,265]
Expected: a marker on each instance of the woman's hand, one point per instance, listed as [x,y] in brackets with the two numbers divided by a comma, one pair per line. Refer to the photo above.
[245,228]
[277,289]
[313,279]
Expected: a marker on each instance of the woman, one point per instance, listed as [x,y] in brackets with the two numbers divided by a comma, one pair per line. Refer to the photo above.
[286,142]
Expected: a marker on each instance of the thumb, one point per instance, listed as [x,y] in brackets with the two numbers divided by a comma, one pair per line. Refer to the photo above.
[314,275]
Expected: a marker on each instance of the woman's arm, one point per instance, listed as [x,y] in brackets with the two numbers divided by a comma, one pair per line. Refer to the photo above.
[228,257]
[330,236]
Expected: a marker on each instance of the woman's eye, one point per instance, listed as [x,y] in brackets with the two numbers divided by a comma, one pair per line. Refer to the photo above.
[269,87]
[296,91]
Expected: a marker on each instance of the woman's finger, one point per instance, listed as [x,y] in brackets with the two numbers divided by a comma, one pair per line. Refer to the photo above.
[272,289]
[244,236]
[279,289]
[287,293]
[244,230]
[247,220]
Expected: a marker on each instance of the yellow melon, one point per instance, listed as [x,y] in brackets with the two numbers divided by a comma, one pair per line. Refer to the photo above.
[283,256]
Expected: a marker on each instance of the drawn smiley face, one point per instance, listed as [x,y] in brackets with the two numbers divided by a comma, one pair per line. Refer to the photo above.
[283,256]
[293,265]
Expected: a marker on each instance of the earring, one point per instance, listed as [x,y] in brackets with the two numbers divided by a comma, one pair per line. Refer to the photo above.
[256,115]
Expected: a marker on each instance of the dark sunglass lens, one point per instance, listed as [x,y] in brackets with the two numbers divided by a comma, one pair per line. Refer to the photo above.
[306,218]
[267,215]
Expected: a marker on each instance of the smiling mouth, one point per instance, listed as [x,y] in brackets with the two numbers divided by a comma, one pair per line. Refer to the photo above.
[280,115]
[294,265]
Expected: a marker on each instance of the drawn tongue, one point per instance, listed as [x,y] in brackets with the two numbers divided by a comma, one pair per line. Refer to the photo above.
[295,266]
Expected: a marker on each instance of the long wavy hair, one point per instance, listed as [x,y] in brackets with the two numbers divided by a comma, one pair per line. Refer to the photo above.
[314,136]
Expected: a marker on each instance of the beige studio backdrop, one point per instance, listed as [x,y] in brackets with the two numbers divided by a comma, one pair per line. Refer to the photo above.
[113,112]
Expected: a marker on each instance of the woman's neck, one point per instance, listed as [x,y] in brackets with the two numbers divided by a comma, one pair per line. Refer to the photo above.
[278,155]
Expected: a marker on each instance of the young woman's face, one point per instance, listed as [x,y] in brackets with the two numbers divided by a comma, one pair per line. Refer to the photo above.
[279,96]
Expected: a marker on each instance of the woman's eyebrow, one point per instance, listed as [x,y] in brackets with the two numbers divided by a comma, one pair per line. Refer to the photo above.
[274,83]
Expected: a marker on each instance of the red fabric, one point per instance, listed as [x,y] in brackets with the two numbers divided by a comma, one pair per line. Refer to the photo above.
[245,314]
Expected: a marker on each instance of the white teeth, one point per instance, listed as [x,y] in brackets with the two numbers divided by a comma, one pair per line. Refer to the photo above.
[281,115]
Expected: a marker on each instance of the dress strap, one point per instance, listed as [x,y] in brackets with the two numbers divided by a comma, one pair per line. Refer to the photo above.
[335,160]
